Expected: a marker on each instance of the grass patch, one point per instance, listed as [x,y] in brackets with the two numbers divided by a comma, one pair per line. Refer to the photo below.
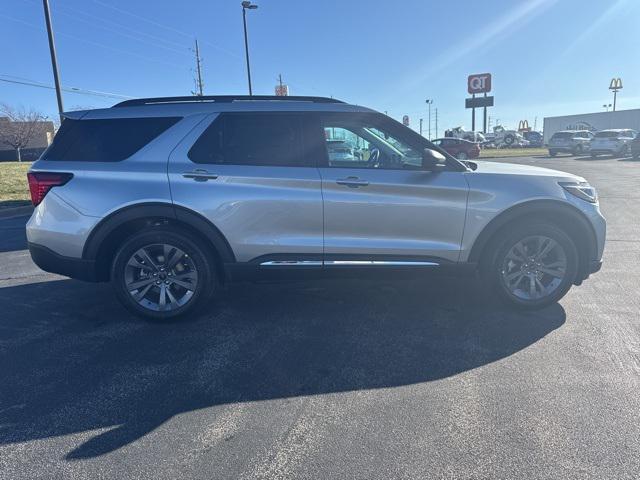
[512,152]
[14,189]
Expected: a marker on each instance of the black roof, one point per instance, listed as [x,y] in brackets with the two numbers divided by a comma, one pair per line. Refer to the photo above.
[223,99]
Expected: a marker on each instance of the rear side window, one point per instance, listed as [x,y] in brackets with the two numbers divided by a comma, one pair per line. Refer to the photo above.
[108,140]
[254,139]
[558,135]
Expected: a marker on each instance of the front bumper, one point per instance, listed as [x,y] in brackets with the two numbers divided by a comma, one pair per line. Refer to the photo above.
[52,262]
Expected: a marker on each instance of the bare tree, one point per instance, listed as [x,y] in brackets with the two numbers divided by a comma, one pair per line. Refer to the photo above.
[20,128]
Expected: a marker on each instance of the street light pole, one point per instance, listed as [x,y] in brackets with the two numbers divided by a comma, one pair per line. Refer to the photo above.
[54,60]
[429,102]
[247,5]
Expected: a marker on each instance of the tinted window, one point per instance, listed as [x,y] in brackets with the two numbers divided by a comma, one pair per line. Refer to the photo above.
[606,134]
[558,135]
[108,140]
[254,139]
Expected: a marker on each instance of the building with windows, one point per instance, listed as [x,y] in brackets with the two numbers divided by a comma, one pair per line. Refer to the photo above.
[592,121]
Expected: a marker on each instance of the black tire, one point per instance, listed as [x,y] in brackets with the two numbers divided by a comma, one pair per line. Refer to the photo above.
[461,156]
[553,153]
[494,271]
[579,150]
[196,258]
[509,139]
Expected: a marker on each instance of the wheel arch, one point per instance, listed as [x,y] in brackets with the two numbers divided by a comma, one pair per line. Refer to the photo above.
[563,215]
[104,239]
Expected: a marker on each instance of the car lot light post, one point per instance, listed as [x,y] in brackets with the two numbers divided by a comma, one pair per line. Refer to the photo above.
[429,102]
[247,5]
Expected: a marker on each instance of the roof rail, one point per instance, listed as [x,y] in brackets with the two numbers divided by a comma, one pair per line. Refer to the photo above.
[222,99]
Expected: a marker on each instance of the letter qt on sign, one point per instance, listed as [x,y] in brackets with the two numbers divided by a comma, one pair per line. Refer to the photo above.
[479,83]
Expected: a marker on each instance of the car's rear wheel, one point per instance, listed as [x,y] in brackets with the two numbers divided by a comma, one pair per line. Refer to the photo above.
[533,265]
[162,274]
[579,150]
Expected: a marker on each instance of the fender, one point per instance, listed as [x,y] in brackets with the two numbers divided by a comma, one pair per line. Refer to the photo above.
[552,208]
[157,210]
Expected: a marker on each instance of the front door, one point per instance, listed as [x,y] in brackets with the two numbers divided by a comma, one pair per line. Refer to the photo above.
[380,205]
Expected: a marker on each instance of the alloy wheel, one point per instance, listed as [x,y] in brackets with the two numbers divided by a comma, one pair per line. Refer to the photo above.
[161,277]
[534,267]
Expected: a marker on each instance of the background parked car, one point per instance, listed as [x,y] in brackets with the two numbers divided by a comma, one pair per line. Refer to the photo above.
[459,148]
[459,132]
[615,142]
[534,139]
[340,150]
[635,147]
[573,142]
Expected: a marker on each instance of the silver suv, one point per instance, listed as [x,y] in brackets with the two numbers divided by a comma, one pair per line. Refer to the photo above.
[170,198]
[573,142]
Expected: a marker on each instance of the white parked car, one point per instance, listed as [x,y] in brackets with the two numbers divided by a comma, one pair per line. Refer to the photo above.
[471,136]
[612,142]
[508,138]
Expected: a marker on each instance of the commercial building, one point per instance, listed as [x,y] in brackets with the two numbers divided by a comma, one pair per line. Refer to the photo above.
[592,121]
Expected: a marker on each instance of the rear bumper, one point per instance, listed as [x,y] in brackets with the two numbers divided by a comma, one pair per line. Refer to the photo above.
[52,262]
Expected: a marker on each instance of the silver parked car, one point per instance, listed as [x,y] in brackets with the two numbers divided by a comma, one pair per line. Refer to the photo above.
[169,198]
[615,142]
[573,142]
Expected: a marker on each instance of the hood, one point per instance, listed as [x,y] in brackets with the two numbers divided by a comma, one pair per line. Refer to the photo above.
[499,168]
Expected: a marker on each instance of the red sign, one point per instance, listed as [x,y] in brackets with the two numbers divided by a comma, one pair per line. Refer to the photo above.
[282,90]
[479,83]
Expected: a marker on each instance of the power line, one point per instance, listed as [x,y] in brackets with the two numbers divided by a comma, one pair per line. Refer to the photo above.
[171,29]
[81,91]
[90,42]
[135,35]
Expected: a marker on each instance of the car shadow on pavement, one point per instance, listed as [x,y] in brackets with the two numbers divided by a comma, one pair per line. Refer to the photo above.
[73,361]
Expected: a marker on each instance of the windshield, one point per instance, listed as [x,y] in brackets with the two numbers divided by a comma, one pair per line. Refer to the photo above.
[608,134]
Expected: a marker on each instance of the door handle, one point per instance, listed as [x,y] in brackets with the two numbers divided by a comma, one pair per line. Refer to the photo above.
[353,182]
[200,175]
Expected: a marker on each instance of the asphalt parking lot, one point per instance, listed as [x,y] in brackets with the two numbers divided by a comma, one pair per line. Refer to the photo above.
[341,379]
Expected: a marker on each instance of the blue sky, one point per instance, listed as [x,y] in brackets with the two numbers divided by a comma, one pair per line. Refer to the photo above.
[547,57]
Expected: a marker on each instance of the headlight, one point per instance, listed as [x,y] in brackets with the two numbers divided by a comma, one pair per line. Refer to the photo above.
[582,190]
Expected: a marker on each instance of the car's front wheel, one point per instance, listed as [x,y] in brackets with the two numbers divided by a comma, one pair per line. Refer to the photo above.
[533,265]
[162,274]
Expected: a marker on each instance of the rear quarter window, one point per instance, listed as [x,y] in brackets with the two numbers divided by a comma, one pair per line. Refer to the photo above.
[107,140]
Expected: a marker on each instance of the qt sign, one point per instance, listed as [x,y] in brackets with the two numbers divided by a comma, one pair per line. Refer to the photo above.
[479,83]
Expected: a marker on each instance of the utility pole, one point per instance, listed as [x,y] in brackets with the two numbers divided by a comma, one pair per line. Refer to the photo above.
[199,85]
[247,5]
[420,127]
[436,122]
[54,60]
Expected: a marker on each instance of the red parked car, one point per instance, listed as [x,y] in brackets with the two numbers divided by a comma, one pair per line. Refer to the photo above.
[459,148]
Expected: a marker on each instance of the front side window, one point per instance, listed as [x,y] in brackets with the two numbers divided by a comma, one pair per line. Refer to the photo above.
[253,139]
[363,142]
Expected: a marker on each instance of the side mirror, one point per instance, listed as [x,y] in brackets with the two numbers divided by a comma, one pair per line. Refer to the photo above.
[431,159]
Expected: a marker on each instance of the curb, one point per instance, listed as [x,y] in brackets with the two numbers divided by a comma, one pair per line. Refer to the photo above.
[13,212]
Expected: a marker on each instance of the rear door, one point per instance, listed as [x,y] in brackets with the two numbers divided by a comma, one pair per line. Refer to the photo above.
[385,207]
[252,176]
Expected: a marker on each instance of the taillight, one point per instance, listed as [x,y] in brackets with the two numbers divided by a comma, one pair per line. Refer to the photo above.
[41,182]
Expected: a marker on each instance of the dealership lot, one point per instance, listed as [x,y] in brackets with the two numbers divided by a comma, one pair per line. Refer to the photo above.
[333,379]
